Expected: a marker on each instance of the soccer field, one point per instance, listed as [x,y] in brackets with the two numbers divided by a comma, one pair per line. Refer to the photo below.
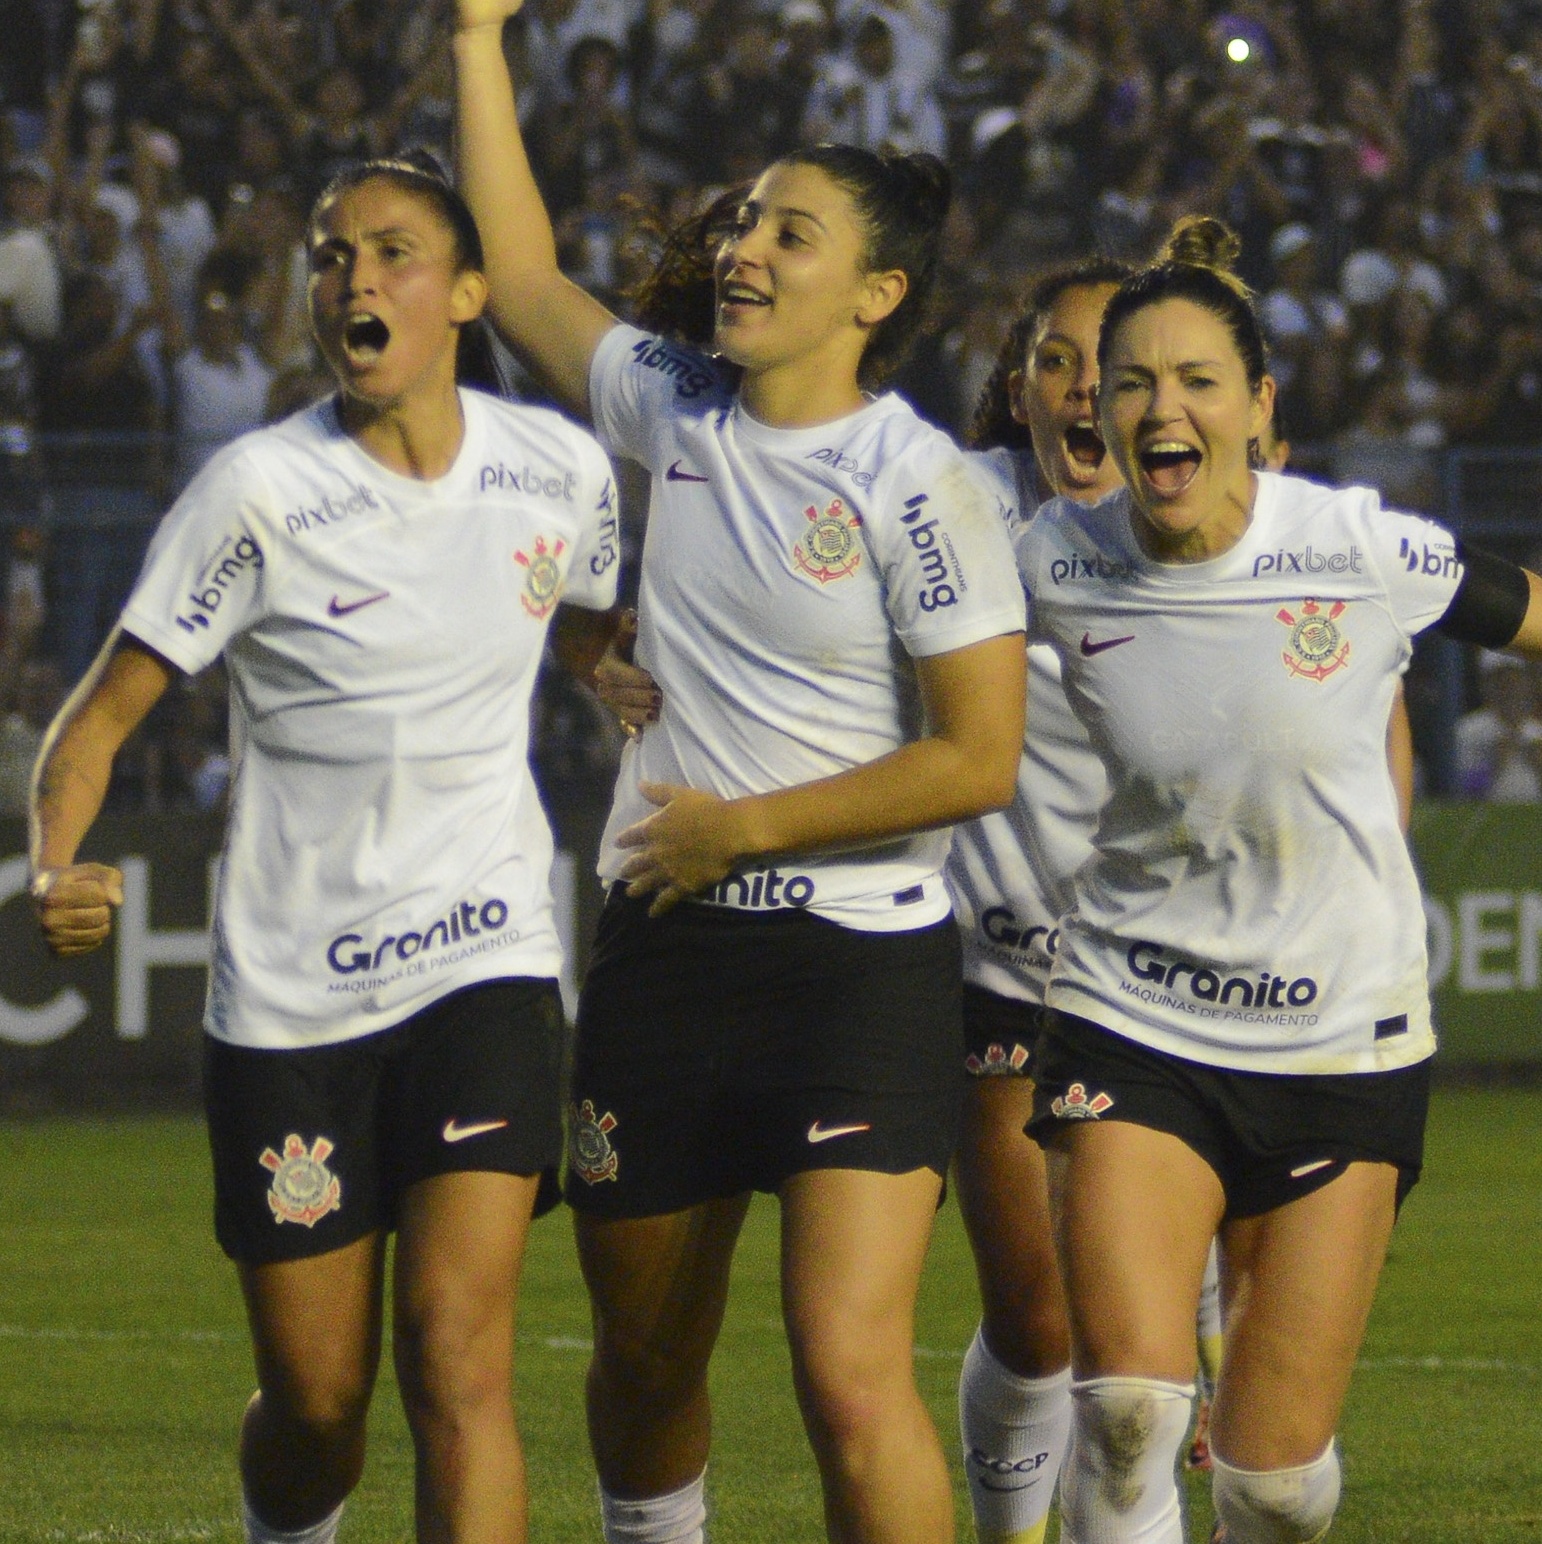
[124,1366]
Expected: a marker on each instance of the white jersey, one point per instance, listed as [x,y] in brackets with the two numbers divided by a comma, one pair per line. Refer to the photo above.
[1251,902]
[385,843]
[1010,872]
[786,576]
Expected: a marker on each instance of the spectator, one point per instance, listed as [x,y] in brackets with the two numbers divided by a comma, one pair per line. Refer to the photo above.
[29,266]
[861,98]
[1499,745]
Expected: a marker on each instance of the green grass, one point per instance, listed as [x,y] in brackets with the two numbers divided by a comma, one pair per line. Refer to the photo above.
[124,1365]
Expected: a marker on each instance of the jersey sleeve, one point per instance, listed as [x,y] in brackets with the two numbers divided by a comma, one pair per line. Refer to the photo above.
[205,577]
[945,554]
[1418,560]
[596,565]
[637,383]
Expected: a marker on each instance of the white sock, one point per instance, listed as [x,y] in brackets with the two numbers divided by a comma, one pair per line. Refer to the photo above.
[680,1517]
[1015,1432]
[258,1532]
[1279,1506]
[1120,1484]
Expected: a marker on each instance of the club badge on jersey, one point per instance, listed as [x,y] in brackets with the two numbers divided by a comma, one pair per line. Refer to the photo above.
[1317,647]
[594,1159]
[304,1189]
[829,549]
[543,583]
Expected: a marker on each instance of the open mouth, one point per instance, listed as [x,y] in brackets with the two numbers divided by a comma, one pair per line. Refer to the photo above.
[1170,466]
[366,336]
[734,294]
[1084,447]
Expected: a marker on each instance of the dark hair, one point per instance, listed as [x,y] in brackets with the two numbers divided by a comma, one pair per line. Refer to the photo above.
[993,423]
[414,171]
[1195,265]
[900,203]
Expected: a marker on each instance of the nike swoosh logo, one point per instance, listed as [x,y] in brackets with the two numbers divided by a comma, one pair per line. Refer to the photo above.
[336,608]
[822,1133]
[674,474]
[455,1133]
[1310,1168]
[1089,648]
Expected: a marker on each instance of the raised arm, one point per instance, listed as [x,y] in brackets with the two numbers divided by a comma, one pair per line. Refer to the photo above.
[966,766]
[548,320]
[75,900]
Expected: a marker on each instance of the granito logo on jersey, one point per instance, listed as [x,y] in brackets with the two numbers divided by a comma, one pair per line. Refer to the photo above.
[1000,926]
[231,559]
[942,576]
[543,583]
[828,549]
[589,1146]
[687,374]
[609,537]
[767,890]
[839,461]
[999,1061]
[528,480]
[1309,562]
[1077,570]
[1149,962]
[346,957]
[1438,562]
[1074,1104]
[304,1189]
[330,510]
[1317,648]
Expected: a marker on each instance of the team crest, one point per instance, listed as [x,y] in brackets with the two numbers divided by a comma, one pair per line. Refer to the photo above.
[998,1061]
[1317,647]
[1075,1105]
[593,1158]
[543,584]
[829,549]
[304,1189]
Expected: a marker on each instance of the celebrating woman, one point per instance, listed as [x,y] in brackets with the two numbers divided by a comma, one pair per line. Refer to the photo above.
[773,1000]
[1240,1036]
[384,1039]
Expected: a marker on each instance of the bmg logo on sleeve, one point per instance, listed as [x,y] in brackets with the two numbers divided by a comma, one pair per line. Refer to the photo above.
[941,575]
[217,578]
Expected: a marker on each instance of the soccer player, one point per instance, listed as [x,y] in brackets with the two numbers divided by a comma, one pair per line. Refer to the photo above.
[773,999]
[384,1038]
[1240,1035]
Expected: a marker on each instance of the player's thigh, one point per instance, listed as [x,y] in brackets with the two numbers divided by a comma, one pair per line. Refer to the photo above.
[460,1244]
[853,1245]
[658,1287]
[316,1331]
[1301,1282]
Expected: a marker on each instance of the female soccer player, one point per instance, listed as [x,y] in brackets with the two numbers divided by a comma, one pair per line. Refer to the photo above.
[1241,1034]
[841,662]
[1036,435]
[384,1040]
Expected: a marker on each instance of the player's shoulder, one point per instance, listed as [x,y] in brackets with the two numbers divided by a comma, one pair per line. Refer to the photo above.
[687,379]
[527,424]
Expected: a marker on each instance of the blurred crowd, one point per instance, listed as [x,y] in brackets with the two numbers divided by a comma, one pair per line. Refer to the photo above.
[1381,159]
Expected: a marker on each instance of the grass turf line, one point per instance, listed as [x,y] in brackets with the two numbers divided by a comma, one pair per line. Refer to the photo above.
[124,1363]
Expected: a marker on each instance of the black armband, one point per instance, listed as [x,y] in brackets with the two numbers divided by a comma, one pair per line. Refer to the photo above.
[1490,601]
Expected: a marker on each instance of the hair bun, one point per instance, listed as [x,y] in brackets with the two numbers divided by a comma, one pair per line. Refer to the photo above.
[1201,241]
[928,182]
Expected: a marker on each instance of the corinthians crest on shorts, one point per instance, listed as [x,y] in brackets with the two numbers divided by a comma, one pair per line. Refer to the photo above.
[589,1149]
[543,585]
[1317,648]
[829,548]
[304,1189]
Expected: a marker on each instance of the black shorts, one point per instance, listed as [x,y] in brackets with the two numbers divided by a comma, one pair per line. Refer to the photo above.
[313,1148]
[722,1051]
[1270,1137]
[1000,1033]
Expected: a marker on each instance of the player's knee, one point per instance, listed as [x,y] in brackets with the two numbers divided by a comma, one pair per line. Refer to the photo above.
[328,1413]
[642,1367]
[1119,1481]
[452,1363]
[848,1384]
[1278,1506]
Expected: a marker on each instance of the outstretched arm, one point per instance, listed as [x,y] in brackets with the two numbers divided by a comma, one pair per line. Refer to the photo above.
[75,900]
[965,767]
[553,324]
